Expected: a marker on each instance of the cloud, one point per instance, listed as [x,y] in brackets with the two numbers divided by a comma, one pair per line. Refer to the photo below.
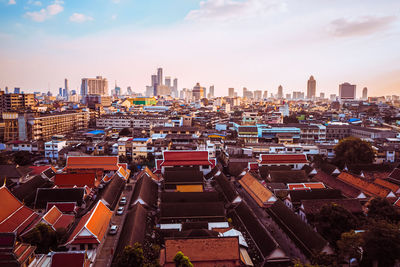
[12,2]
[46,13]
[80,18]
[361,26]
[34,3]
[223,10]
[114,17]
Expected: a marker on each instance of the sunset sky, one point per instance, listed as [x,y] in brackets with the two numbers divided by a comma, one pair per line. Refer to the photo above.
[258,44]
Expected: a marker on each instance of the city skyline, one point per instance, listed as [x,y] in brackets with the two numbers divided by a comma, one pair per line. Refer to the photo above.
[254,44]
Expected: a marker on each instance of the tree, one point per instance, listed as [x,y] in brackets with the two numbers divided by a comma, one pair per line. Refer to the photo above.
[350,246]
[22,158]
[381,209]
[181,260]
[43,237]
[381,244]
[125,132]
[353,150]
[131,256]
[333,220]
[290,119]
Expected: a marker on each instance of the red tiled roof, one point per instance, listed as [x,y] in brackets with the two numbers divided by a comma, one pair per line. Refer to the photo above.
[63,180]
[14,216]
[204,250]
[387,184]
[57,219]
[67,259]
[35,170]
[369,188]
[109,163]
[62,206]
[283,158]
[186,156]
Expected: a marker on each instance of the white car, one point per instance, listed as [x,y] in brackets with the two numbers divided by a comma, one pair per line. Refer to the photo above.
[113,229]
[122,201]
[120,211]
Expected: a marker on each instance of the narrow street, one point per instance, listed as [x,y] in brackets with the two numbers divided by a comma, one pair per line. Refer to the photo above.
[106,252]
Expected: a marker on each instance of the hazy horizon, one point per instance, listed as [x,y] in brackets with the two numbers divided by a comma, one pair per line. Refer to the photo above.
[258,44]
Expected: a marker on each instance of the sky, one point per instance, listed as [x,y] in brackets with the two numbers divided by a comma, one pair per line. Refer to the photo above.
[258,44]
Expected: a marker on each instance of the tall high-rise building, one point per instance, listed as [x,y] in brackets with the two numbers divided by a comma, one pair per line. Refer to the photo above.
[159,76]
[347,91]
[17,90]
[94,86]
[322,95]
[280,92]
[168,81]
[60,91]
[231,92]
[265,95]
[66,89]
[175,84]
[153,80]
[6,90]
[257,94]
[365,93]
[211,92]
[311,87]
[198,92]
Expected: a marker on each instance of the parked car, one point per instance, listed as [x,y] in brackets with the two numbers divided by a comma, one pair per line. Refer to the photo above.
[120,211]
[122,201]
[113,229]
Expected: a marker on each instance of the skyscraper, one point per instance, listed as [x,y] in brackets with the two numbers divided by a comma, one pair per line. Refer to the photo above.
[159,76]
[153,80]
[280,92]
[231,92]
[347,91]
[175,84]
[198,92]
[211,93]
[311,87]
[66,89]
[365,93]
[94,86]
[265,95]
[60,91]
[257,94]
[168,81]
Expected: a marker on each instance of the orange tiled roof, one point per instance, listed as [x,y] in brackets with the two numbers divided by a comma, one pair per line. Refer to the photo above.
[151,174]
[387,185]
[298,186]
[52,215]
[96,222]
[369,188]
[109,163]
[9,203]
[57,219]
[257,191]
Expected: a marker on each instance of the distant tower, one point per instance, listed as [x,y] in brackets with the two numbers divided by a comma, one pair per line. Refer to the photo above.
[347,91]
[168,81]
[365,93]
[175,84]
[231,92]
[160,76]
[211,93]
[66,88]
[6,90]
[311,88]
[265,95]
[280,92]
